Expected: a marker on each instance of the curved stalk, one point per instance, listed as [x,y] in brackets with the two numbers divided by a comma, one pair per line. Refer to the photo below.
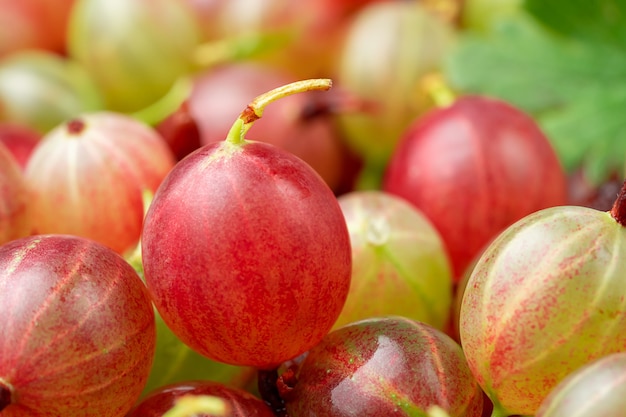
[438,90]
[254,110]
[208,55]
[241,47]
[166,105]
[618,211]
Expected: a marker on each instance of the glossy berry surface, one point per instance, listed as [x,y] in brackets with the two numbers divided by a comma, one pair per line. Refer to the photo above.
[133,50]
[77,336]
[597,388]
[88,177]
[247,254]
[546,297]
[474,168]
[301,124]
[15,217]
[240,403]
[388,47]
[399,262]
[20,140]
[176,362]
[42,89]
[388,366]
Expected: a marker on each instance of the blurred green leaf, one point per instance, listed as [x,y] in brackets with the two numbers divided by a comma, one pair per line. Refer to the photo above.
[176,362]
[565,64]
[594,20]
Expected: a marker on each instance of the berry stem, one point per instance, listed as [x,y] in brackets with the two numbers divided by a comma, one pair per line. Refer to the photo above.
[498,411]
[240,47]
[254,110]
[438,90]
[618,212]
[167,104]
[370,176]
[6,395]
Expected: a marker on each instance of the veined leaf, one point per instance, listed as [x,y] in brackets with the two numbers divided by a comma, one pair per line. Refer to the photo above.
[569,76]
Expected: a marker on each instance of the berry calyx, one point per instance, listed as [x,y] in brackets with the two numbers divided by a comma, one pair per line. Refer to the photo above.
[618,211]
[75,126]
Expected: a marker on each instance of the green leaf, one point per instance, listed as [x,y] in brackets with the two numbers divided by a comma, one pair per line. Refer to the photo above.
[594,20]
[568,76]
